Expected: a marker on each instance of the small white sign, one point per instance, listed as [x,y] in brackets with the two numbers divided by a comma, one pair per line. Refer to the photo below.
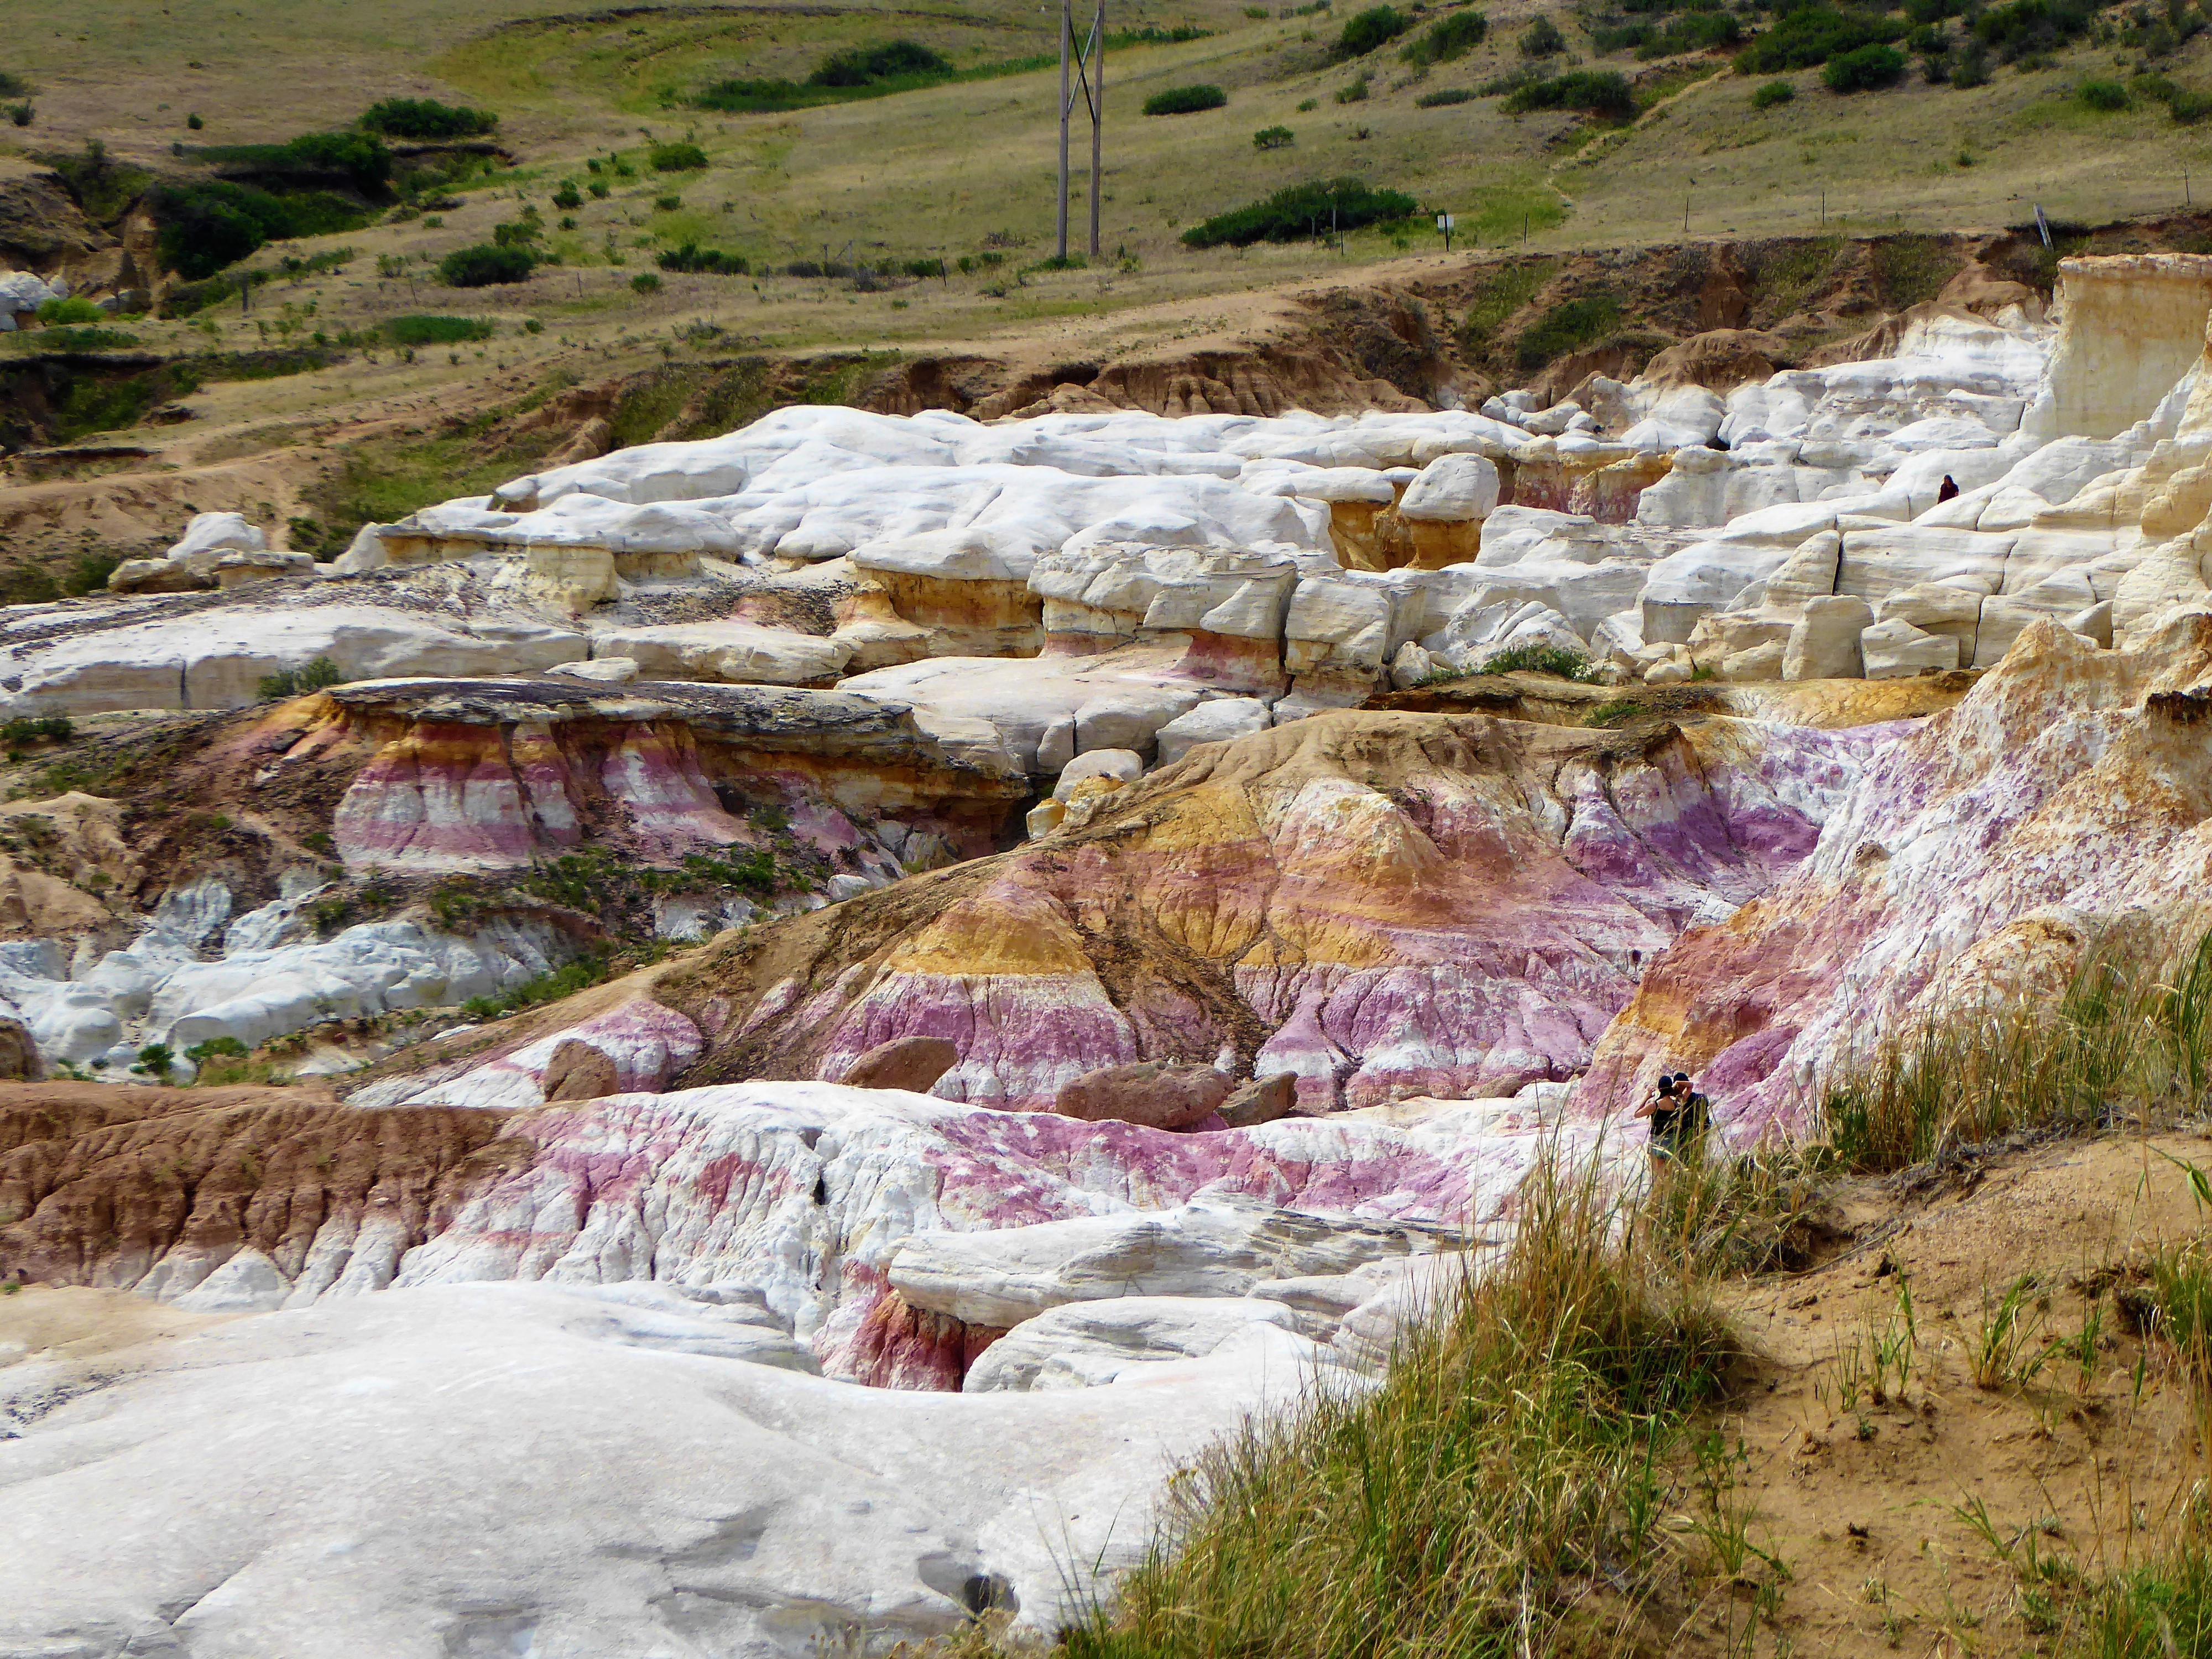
[1446,221]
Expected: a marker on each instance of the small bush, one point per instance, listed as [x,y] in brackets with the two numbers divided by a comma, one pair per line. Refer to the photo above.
[709,262]
[1447,96]
[1865,69]
[1446,40]
[1375,26]
[194,123]
[484,265]
[676,158]
[423,117]
[1355,93]
[415,330]
[1540,660]
[1971,68]
[867,66]
[1601,92]
[668,203]
[65,312]
[645,283]
[89,573]
[23,730]
[1185,100]
[2026,28]
[23,113]
[317,676]
[1773,93]
[155,1060]
[2102,95]
[1300,211]
[567,197]
[1273,138]
[1811,35]
[1542,39]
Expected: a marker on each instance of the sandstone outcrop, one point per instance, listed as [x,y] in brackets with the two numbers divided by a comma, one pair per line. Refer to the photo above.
[1379,905]
[908,1063]
[1155,1095]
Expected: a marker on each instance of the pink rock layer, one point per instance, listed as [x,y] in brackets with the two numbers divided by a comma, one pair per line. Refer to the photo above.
[1980,854]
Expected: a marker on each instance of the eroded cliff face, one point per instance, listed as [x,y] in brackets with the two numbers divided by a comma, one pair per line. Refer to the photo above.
[1382,905]
[1982,855]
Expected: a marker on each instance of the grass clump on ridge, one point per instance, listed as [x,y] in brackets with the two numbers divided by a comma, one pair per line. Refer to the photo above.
[2122,1042]
[1502,1492]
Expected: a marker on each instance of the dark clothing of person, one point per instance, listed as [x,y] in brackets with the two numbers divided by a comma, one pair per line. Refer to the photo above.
[1950,488]
[1679,1123]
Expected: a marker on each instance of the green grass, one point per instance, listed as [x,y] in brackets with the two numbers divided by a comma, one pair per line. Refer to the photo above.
[1518,1453]
[1571,325]
[2129,1037]
[1540,660]
[1498,295]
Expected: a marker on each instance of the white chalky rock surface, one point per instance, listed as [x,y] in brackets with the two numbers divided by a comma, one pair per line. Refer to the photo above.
[537,1469]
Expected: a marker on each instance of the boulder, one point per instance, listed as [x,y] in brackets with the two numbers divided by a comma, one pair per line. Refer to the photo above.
[1089,1344]
[1952,610]
[578,1071]
[912,1063]
[1157,1094]
[1896,650]
[1262,1101]
[1114,766]
[1222,720]
[1825,643]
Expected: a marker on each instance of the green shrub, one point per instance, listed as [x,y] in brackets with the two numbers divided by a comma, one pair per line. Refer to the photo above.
[1864,69]
[22,114]
[1498,295]
[214,222]
[424,117]
[2024,27]
[676,158]
[89,573]
[1542,39]
[645,283]
[221,1047]
[668,203]
[565,981]
[1697,30]
[1353,93]
[1447,39]
[23,730]
[1185,100]
[156,1060]
[866,66]
[1540,660]
[1273,138]
[483,265]
[1601,92]
[708,262]
[567,197]
[194,123]
[1447,96]
[1811,35]
[58,312]
[319,674]
[1773,93]
[418,331]
[1568,327]
[2102,95]
[1300,211]
[599,189]
[1375,26]
[360,157]
[1971,67]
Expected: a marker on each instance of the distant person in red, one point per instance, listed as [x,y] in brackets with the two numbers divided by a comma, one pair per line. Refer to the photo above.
[1950,488]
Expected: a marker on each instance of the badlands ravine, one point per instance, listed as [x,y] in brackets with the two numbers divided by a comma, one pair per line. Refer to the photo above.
[1094,946]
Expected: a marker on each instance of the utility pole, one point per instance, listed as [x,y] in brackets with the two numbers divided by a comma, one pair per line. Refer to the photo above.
[1089,73]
